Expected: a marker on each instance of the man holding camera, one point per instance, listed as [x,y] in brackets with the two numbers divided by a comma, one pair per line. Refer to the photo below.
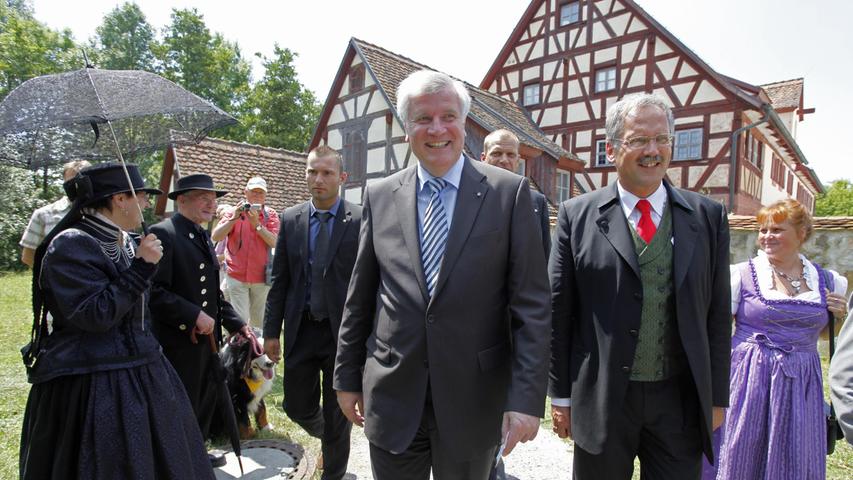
[251,229]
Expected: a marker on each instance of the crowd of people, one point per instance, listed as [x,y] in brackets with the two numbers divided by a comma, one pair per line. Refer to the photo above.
[437,315]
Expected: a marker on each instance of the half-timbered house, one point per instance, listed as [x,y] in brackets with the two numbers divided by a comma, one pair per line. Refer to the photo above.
[567,61]
[360,120]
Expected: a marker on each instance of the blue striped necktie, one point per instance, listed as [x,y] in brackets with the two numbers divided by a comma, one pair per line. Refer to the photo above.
[434,233]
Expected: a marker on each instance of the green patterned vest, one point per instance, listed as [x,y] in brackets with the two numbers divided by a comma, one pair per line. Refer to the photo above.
[659,354]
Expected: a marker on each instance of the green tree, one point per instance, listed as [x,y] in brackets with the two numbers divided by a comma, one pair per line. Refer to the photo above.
[837,201]
[28,48]
[19,195]
[125,40]
[206,64]
[283,112]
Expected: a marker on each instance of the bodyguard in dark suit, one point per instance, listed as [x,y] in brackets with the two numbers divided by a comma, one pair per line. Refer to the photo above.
[500,148]
[314,258]
[186,303]
[641,310]
[443,347]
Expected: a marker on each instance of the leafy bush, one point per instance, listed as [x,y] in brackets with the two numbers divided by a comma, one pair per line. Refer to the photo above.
[19,196]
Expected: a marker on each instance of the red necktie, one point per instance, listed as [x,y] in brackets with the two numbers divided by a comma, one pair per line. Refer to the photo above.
[645,227]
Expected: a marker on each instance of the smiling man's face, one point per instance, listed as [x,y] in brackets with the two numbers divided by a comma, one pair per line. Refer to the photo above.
[642,169]
[436,130]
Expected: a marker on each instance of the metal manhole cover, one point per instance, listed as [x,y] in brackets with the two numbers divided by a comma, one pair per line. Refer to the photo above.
[269,459]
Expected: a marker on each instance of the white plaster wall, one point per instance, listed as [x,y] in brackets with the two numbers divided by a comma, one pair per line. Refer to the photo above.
[337,115]
[715,145]
[530,73]
[335,141]
[551,116]
[638,76]
[576,112]
[721,122]
[693,119]
[376,132]
[376,160]
[707,93]
[377,103]
[605,55]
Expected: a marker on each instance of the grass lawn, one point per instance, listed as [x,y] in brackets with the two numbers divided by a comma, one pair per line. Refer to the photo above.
[15,321]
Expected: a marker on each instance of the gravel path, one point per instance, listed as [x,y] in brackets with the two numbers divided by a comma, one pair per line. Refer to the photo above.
[545,458]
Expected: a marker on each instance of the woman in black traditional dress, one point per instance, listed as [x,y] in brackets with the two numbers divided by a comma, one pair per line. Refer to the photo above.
[105,403]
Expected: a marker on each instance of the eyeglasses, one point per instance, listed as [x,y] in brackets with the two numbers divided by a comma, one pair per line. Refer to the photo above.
[642,141]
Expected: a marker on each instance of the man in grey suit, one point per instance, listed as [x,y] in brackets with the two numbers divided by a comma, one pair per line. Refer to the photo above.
[443,348]
[500,148]
[841,375]
[313,262]
[641,311]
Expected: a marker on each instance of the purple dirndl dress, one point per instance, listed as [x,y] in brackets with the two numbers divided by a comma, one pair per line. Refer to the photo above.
[774,427]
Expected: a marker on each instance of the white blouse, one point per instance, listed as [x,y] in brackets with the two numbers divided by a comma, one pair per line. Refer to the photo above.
[764,273]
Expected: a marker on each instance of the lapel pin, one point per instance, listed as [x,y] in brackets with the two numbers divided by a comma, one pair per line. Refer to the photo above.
[479,194]
[191,235]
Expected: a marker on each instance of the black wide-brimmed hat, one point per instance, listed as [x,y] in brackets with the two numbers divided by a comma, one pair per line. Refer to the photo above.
[103,181]
[198,181]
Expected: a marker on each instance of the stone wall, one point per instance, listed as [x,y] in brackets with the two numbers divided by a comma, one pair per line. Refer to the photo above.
[831,244]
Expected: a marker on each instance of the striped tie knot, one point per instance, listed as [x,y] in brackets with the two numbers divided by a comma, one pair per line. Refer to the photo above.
[436,185]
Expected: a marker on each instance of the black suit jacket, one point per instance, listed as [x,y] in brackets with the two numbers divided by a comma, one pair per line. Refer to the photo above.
[187,281]
[291,272]
[480,342]
[540,209]
[597,297]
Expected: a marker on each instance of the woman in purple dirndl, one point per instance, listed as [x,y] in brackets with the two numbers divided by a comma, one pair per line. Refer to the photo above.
[774,427]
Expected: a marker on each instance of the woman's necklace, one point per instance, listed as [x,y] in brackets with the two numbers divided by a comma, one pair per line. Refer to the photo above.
[796,283]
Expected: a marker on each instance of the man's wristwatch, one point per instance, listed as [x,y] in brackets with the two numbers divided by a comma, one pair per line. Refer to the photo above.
[259,227]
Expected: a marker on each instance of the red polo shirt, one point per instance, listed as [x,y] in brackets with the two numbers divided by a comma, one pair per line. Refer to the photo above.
[246,252]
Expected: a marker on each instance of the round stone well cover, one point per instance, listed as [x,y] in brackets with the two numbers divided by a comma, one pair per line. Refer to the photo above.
[268,459]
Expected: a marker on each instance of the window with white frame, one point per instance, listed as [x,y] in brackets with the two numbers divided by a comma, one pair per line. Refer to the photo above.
[688,144]
[600,153]
[522,167]
[570,13]
[531,94]
[564,185]
[605,79]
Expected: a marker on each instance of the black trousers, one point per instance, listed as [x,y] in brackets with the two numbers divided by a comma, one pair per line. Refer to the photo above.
[426,452]
[307,379]
[659,423]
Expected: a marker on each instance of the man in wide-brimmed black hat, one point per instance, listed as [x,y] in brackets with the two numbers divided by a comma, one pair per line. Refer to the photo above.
[187,304]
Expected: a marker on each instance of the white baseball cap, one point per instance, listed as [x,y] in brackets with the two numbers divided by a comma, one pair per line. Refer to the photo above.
[256,182]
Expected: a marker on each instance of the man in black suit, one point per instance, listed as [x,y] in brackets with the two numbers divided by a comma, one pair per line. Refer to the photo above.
[442,352]
[186,302]
[314,258]
[500,148]
[641,311]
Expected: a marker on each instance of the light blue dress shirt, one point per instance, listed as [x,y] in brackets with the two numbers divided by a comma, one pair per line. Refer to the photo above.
[448,194]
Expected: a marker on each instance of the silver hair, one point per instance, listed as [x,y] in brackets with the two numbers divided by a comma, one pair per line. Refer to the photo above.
[427,82]
[615,123]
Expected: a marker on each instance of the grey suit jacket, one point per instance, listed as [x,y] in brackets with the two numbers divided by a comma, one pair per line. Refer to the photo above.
[286,299]
[841,375]
[597,298]
[481,341]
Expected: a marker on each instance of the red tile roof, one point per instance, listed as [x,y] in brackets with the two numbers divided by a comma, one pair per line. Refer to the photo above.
[785,94]
[231,164]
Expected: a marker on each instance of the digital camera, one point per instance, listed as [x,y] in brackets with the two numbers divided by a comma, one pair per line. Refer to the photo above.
[251,206]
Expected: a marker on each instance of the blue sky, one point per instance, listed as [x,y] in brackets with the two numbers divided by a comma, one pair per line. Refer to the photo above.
[757,41]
